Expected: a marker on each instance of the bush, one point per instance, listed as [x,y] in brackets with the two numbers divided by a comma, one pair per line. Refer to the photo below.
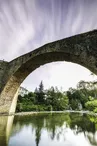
[91,105]
[30,107]
[49,108]
[41,108]
[19,107]
[95,110]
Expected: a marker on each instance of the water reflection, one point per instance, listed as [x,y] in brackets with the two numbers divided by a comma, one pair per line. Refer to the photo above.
[68,129]
[54,129]
[5,129]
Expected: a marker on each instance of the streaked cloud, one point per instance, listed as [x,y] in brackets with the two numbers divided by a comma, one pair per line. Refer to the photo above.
[28,24]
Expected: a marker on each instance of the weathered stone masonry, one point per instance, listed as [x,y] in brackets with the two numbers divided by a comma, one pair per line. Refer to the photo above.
[80,49]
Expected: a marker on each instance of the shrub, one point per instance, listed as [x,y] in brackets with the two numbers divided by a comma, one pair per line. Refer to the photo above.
[49,108]
[91,105]
[95,110]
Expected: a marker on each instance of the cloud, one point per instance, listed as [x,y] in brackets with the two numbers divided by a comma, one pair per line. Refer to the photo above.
[26,25]
[60,74]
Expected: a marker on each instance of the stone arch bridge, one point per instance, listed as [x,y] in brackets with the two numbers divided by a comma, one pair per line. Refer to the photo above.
[80,49]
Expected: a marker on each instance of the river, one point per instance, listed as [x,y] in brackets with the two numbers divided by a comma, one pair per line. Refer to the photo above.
[49,129]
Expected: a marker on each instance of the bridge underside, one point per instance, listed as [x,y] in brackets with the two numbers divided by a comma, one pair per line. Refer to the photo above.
[80,49]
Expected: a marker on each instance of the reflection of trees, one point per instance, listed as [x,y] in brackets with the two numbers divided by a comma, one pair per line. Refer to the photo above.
[81,123]
[86,124]
[92,139]
[38,124]
[38,135]
[56,124]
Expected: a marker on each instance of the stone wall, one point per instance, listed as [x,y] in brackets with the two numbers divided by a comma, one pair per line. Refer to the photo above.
[3,66]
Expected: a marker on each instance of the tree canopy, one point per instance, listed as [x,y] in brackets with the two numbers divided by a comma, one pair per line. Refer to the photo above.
[84,97]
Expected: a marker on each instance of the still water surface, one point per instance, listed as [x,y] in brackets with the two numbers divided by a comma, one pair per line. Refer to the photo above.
[57,129]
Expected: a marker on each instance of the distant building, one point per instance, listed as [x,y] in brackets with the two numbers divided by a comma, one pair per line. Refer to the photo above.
[23,91]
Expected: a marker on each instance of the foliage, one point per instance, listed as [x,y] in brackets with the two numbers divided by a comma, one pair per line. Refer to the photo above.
[95,110]
[91,105]
[83,97]
[57,124]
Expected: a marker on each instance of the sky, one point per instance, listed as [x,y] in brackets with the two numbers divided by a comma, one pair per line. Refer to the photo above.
[28,24]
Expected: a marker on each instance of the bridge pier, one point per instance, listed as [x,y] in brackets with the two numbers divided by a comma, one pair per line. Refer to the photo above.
[8,103]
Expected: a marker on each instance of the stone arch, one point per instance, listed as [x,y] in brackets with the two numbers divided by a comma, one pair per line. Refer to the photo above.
[80,49]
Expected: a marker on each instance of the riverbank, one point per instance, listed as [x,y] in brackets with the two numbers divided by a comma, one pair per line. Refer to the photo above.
[66,111]
[45,112]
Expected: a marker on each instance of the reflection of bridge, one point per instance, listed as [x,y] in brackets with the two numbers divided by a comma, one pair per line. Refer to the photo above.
[5,129]
[80,49]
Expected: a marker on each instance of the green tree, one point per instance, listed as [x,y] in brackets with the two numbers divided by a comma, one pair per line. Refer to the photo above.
[40,96]
[91,105]
[32,97]
[41,87]
[36,90]
[56,99]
